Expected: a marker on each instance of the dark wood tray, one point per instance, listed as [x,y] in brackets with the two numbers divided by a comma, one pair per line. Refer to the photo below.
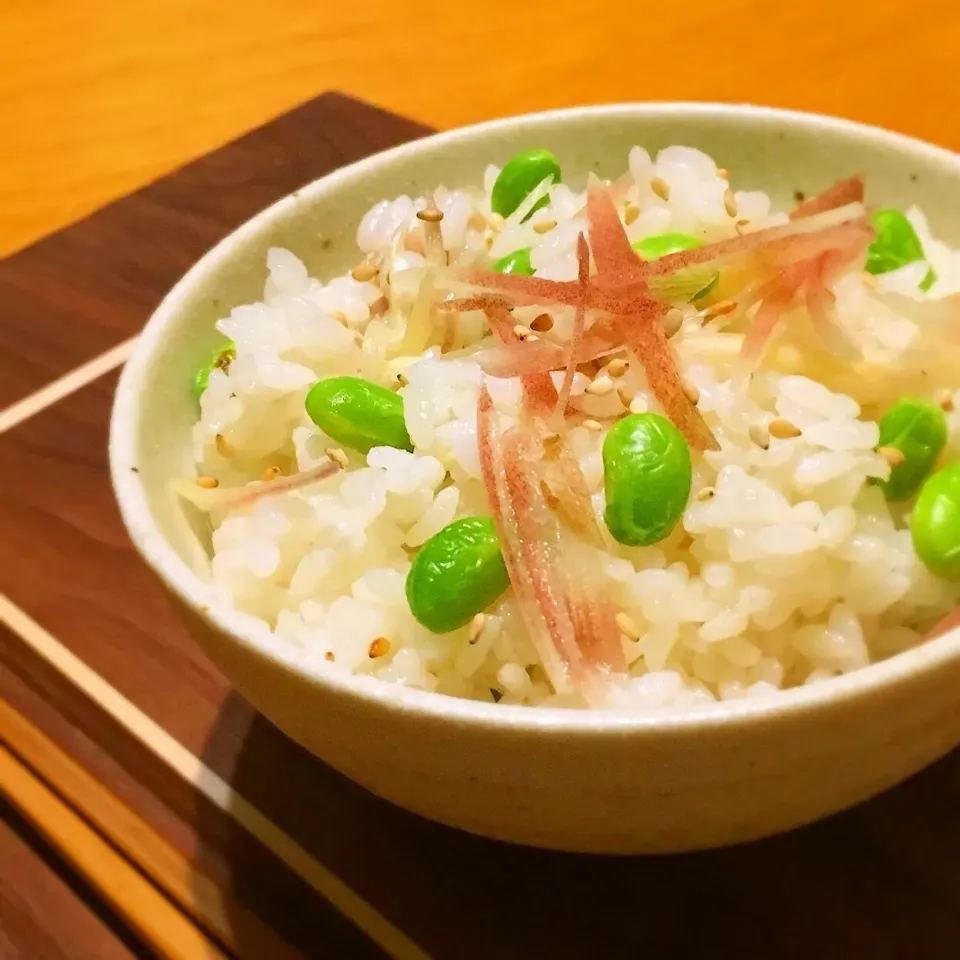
[85,622]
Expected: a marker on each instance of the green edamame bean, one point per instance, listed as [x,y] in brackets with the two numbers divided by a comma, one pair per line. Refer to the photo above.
[520,176]
[917,429]
[653,248]
[647,478]
[663,244]
[358,414]
[895,245]
[935,525]
[458,573]
[517,262]
[221,360]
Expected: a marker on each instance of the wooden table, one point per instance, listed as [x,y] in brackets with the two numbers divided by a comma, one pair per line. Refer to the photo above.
[97,98]
[101,98]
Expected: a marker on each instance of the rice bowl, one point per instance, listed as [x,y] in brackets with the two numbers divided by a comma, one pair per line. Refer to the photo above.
[790,565]
[715,771]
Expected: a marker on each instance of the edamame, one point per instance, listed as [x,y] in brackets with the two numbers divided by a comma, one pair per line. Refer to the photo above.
[647,478]
[917,429]
[358,413]
[653,248]
[895,245]
[935,524]
[517,262]
[457,574]
[521,175]
[663,244]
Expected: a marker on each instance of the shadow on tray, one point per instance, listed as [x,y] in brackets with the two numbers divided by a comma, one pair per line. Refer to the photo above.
[877,882]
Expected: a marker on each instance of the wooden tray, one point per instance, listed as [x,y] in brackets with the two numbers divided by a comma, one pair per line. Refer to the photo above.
[98,662]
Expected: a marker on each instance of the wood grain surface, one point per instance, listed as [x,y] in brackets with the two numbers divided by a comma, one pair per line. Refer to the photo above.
[877,882]
[54,320]
[47,913]
[103,96]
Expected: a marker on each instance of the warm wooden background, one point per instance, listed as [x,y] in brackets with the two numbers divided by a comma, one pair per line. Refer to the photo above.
[96,98]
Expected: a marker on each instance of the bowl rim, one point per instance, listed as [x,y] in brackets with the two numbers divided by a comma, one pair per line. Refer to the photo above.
[253,634]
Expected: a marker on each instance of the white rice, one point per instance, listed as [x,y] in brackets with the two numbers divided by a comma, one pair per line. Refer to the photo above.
[794,571]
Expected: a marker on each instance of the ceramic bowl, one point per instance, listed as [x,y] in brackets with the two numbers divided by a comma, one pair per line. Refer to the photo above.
[565,779]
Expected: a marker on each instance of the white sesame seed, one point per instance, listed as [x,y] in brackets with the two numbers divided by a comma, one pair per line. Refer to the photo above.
[783,429]
[338,457]
[729,202]
[363,272]
[892,455]
[661,188]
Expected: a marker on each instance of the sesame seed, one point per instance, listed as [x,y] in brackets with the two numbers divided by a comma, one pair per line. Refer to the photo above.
[364,272]
[601,387]
[661,188]
[626,395]
[631,214]
[892,455]
[549,497]
[208,483]
[617,367]
[329,656]
[379,648]
[945,400]
[521,332]
[338,457]
[544,226]
[705,493]
[628,626]
[477,221]
[721,309]
[542,323]
[690,392]
[672,322]
[723,173]
[729,202]
[759,435]
[590,424]
[271,473]
[379,307]
[783,429]
[477,625]
[402,380]
[430,215]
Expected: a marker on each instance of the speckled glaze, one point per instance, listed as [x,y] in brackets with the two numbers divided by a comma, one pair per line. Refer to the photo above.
[570,780]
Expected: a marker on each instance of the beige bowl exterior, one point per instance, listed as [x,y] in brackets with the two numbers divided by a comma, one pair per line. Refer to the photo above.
[568,780]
